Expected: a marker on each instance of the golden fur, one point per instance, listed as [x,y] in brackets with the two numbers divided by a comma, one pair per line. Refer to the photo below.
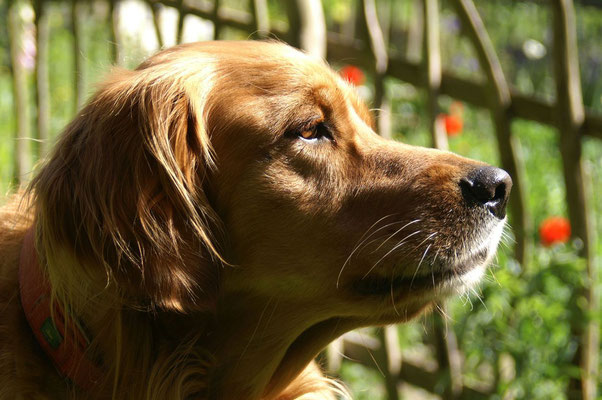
[220,214]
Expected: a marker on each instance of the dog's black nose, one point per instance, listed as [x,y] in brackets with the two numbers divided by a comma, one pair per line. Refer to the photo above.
[488,186]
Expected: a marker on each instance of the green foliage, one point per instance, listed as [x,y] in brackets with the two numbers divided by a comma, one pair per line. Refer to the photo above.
[528,318]
[364,383]
[521,314]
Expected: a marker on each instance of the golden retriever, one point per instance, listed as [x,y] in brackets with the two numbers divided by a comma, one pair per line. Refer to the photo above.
[213,219]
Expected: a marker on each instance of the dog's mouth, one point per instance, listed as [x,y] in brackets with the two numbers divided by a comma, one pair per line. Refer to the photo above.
[452,265]
[443,273]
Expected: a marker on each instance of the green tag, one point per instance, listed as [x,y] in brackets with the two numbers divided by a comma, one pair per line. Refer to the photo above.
[51,334]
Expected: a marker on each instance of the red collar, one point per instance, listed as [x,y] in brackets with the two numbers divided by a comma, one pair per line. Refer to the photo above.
[67,351]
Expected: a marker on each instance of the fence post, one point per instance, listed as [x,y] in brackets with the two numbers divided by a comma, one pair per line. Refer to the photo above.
[217,23]
[114,38]
[79,71]
[312,27]
[180,25]
[570,117]
[376,41]
[41,77]
[509,147]
[415,32]
[156,10]
[388,356]
[21,160]
[261,20]
[432,61]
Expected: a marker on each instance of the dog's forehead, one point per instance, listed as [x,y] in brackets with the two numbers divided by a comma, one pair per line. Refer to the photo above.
[278,67]
[256,52]
[264,68]
[260,82]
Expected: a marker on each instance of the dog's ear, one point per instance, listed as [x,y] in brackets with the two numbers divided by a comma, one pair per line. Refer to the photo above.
[121,203]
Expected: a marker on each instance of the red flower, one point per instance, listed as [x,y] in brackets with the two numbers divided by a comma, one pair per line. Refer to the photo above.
[453,124]
[352,74]
[554,230]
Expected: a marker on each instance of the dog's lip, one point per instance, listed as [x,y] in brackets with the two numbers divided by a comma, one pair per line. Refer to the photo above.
[445,271]
[380,286]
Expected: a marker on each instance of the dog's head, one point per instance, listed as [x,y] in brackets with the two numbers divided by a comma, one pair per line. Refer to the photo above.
[261,156]
[321,211]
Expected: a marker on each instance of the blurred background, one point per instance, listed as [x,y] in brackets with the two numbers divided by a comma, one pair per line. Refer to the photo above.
[515,83]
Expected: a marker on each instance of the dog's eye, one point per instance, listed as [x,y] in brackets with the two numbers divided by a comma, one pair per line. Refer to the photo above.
[315,132]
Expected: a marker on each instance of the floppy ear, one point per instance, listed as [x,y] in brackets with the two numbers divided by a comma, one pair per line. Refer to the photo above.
[121,204]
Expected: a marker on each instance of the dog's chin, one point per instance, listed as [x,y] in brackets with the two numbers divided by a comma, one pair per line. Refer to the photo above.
[445,276]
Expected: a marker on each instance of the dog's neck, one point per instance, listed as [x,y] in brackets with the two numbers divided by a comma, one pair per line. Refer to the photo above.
[258,344]
[261,343]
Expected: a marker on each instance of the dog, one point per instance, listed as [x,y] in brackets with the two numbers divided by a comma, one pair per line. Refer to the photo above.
[210,221]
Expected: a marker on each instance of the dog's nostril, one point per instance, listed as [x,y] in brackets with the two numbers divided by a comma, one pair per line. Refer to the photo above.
[488,186]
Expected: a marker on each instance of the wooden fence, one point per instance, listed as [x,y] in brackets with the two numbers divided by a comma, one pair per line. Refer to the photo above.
[368,48]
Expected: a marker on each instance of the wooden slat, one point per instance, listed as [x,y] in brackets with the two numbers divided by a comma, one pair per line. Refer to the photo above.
[415,32]
[380,59]
[114,34]
[529,108]
[22,162]
[156,10]
[388,358]
[312,28]
[182,11]
[570,117]
[204,9]
[79,69]
[498,97]
[261,21]
[432,61]
[42,77]
[592,126]
[448,354]
[217,23]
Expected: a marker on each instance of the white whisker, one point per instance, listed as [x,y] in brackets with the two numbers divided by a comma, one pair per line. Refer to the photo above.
[493,277]
[395,233]
[372,357]
[390,251]
[419,264]
[360,243]
[479,297]
[445,316]
[435,258]
[392,296]
[421,243]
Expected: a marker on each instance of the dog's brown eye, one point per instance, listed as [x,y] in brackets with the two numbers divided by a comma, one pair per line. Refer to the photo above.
[315,132]
[308,134]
